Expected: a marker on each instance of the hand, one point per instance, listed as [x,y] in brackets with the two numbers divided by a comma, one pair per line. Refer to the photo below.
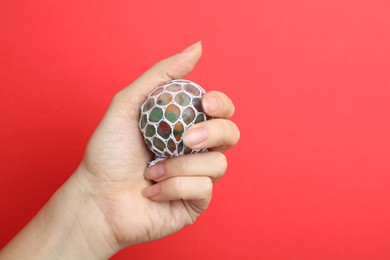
[116,158]
[113,200]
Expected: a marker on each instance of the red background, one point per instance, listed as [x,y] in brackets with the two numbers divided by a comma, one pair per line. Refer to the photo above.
[310,178]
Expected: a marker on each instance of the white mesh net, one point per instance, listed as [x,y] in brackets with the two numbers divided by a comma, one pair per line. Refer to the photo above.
[167,112]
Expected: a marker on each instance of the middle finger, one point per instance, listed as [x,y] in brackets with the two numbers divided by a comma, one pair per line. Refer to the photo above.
[212,133]
[210,164]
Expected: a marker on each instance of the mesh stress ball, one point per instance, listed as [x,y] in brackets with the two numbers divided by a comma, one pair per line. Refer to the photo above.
[167,112]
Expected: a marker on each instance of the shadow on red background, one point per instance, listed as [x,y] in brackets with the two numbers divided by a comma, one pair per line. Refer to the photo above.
[310,80]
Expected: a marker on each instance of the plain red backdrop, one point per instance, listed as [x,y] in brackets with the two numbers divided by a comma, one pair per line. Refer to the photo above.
[310,178]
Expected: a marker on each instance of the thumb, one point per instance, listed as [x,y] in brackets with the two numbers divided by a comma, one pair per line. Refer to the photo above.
[174,67]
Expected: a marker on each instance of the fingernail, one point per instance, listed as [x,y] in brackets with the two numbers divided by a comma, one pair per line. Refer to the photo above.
[195,136]
[211,104]
[156,171]
[152,191]
[191,47]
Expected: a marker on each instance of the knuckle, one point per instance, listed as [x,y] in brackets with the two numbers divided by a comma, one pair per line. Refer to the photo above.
[117,98]
[180,66]
[163,72]
[119,104]
[172,68]
[160,64]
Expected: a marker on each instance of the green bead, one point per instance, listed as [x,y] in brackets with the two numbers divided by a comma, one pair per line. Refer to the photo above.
[159,144]
[156,114]
[143,121]
[150,130]
[199,118]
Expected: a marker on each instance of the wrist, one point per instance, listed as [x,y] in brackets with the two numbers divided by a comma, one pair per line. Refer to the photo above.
[69,226]
[83,218]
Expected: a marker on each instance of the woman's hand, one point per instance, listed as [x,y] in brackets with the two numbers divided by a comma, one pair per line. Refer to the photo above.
[116,158]
[113,200]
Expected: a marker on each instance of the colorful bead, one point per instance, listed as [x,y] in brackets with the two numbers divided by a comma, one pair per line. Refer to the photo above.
[171,145]
[182,99]
[188,115]
[172,113]
[156,114]
[187,150]
[197,104]
[199,118]
[164,99]
[164,130]
[143,121]
[178,131]
[174,87]
[180,147]
[192,89]
[149,104]
[150,130]
[157,91]
[159,144]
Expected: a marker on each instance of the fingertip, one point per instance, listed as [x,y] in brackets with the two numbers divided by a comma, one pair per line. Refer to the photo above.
[184,62]
[195,46]
[156,171]
[152,191]
[174,67]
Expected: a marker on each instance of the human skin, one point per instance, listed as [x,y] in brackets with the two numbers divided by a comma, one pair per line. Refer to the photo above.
[113,200]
